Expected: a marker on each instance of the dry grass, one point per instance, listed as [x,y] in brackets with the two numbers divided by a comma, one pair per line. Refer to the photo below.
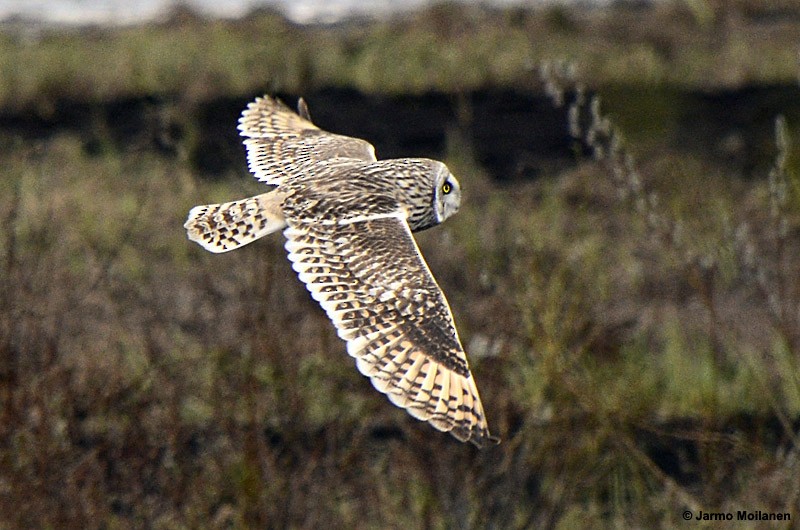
[632,323]
[146,382]
[447,47]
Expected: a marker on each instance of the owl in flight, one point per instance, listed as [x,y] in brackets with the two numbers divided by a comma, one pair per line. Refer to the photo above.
[348,219]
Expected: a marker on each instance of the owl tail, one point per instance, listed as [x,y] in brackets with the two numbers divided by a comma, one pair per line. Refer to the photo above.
[224,227]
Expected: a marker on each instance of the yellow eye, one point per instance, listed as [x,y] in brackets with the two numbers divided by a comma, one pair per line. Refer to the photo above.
[446,188]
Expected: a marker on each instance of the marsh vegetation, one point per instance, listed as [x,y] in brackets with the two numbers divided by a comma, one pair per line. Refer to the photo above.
[631,308]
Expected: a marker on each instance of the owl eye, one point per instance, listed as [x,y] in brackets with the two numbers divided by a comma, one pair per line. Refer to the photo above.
[447,188]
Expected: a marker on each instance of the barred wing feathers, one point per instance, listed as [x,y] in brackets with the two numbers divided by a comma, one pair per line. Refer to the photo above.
[369,276]
[282,145]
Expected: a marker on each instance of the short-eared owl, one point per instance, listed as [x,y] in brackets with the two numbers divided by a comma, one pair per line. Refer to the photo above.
[348,219]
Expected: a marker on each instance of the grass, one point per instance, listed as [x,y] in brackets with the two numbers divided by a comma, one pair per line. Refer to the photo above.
[631,321]
[445,48]
[148,381]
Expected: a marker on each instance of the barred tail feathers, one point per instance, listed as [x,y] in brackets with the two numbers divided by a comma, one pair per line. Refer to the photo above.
[228,226]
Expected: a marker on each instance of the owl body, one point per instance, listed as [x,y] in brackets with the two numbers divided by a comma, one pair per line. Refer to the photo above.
[348,220]
[411,185]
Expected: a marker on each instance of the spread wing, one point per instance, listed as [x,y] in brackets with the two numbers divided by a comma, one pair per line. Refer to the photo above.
[369,276]
[282,145]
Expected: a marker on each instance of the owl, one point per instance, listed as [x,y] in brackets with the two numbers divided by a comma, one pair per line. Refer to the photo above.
[348,220]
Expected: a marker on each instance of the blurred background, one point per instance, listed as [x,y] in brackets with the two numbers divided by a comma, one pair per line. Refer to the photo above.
[623,271]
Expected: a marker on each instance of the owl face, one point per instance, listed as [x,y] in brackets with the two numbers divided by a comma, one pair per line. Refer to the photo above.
[447,194]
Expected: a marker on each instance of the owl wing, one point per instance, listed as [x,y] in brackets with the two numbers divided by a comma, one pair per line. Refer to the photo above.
[282,145]
[369,276]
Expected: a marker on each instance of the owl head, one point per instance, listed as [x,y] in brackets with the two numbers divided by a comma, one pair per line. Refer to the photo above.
[446,193]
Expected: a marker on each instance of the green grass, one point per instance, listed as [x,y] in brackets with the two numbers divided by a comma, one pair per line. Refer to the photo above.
[446,48]
[637,357]
[146,380]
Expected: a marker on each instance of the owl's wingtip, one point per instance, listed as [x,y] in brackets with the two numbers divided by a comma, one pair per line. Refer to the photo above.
[483,442]
[302,109]
[480,439]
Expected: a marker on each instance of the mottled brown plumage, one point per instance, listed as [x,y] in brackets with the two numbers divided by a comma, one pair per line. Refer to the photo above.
[348,221]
